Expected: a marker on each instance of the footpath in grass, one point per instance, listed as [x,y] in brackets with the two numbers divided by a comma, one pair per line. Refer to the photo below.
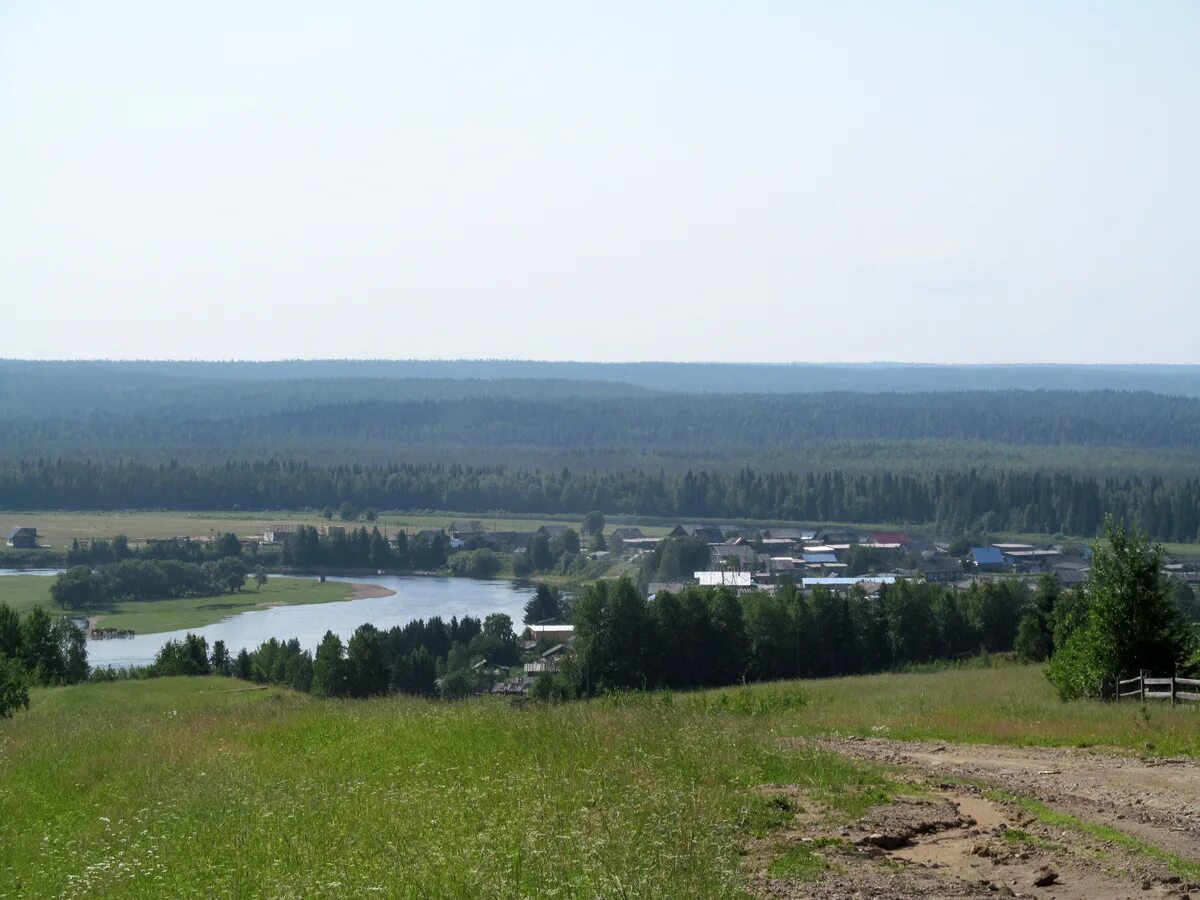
[23,592]
[208,786]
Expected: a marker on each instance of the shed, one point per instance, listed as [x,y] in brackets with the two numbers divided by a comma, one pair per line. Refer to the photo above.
[22,537]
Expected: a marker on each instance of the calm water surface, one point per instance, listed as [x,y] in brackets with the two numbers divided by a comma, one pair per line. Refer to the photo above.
[416,597]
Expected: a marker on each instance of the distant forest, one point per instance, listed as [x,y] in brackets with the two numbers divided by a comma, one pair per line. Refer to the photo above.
[952,447]
[953,501]
[732,378]
[582,425]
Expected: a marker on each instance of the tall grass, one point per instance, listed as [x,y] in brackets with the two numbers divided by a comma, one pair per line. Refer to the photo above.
[1004,704]
[178,787]
[184,787]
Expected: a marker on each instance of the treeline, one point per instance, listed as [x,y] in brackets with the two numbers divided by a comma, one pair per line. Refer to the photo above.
[363,422]
[81,587]
[37,650]
[955,501]
[100,551]
[712,637]
[423,658]
[306,548]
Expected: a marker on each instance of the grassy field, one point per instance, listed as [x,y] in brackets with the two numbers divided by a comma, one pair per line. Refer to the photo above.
[211,786]
[1005,704]
[186,787]
[58,529]
[23,592]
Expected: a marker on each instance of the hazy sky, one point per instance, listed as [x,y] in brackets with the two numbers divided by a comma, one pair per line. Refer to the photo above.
[954,182]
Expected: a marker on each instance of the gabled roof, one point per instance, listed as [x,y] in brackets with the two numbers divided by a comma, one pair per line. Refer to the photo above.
[626,532]
[553,530]
[790,534]
[987,556]
[889,537]
[20,529]
[820,557]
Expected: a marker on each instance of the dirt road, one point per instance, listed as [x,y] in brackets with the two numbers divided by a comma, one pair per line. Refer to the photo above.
[957,836]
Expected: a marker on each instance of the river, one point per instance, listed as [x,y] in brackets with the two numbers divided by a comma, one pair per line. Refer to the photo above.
[416,597]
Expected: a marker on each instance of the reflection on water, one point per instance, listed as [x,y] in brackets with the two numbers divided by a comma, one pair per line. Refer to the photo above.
[416,597]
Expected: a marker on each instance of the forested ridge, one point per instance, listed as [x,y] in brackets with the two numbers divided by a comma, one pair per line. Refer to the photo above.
[952,500]
[112,435]
[735,378]
[553,424]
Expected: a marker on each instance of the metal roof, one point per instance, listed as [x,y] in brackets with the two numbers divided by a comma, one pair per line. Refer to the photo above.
[725,579]
[987,556]
[849,581]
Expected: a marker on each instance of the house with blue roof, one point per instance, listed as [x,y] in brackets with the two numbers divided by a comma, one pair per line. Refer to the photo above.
[816,559]
[988,559]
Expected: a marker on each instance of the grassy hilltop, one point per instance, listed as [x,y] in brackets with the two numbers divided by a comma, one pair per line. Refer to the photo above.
[213,786]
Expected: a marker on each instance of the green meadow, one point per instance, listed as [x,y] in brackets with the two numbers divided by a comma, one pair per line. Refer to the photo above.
[179,787]
[23,592]
[996,703]
[207,786]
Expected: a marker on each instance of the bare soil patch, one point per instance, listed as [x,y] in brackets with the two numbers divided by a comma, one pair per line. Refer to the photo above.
[954,838]
[361,591]
[1155,799]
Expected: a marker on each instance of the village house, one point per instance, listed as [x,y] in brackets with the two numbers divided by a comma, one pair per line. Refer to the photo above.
[22,537]
[790,535]
[735,556]
[988,559]
[709,533]
[1071,572]
[626,533]
[563,633]
[940,569]
[737,580]
[277,534]
[839,584]
[464,531]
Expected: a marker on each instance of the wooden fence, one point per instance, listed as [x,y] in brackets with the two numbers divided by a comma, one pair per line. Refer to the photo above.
[1144,687]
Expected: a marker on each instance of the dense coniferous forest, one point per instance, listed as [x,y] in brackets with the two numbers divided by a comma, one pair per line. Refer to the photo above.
[548,425]
[664,442]
[953,500]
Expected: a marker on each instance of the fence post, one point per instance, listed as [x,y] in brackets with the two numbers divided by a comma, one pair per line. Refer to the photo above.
[1142,683]
[1172,689]
[1120,678]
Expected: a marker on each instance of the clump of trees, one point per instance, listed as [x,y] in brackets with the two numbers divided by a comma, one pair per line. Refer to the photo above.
[37,650]
[562,554]
[705,637]
[423,658]
[1124,620]
[676,559]
[100,551]
[140,580]
[544,606]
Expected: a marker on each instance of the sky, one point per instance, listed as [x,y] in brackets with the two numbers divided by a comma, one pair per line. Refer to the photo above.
[752,181]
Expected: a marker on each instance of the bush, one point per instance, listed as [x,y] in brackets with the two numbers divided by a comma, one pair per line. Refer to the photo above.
[475,564]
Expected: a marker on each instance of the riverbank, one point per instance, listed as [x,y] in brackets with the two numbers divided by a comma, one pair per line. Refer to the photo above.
[23,592]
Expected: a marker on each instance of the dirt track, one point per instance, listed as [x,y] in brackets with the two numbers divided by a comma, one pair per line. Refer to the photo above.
[951,840]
